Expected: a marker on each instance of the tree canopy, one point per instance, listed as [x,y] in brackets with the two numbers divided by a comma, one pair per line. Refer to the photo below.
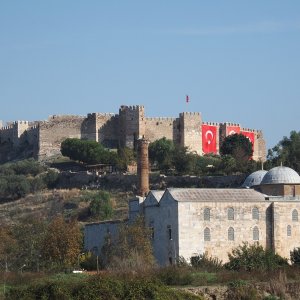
[90,152]
[101,206]
[240,148]
[161,153]
[62,243]
[287,151]
[237,145]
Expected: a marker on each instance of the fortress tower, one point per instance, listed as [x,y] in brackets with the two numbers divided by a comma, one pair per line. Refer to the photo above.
[131,125]
[190,129]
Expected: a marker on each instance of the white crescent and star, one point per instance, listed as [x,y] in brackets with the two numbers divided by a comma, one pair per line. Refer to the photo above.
[207,133]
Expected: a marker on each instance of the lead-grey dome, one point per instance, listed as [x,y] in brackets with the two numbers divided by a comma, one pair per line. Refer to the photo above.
[254,178]
[281,175]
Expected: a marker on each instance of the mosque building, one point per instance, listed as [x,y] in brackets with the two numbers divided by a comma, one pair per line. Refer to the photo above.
[186,222]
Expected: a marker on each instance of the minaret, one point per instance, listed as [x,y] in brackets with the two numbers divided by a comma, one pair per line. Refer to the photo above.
[143,167]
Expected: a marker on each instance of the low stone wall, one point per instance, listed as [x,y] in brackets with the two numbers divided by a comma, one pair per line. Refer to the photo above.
[123,182]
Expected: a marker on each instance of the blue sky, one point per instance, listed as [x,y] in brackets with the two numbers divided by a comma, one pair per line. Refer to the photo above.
[238,61]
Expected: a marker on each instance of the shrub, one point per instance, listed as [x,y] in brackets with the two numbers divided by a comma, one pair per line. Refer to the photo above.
[254,257]
[295,256]
[204,262]
[174,275]
[99,287]
[101,206]
[241,290]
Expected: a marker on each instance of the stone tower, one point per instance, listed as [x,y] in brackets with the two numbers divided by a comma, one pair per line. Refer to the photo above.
[190,128]
[143,167]
[131,125]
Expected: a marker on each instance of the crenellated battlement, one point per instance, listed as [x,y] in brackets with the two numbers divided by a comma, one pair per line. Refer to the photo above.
[230,124]
[93,115]
[20,122]
[158,119]
[249,130]
[211,123]
[7,127]
[64,117]
[189,114]
[131,107]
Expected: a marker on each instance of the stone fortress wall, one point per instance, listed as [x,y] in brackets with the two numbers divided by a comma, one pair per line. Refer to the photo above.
[43,138]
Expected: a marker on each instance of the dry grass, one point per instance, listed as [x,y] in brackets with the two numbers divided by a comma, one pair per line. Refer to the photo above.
[71,203]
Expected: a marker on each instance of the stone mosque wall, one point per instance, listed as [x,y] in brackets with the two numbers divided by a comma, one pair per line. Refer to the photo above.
[43,138]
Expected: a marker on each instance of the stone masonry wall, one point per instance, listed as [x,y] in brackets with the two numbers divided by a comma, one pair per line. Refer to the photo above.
[108,130]
[192,225]
[55,130]
[157,128]
[282,219]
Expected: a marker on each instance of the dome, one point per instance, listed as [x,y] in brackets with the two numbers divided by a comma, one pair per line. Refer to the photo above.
[254,178]
[281,175]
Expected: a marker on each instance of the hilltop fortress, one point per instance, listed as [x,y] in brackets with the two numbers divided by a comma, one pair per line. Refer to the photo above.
[42,139]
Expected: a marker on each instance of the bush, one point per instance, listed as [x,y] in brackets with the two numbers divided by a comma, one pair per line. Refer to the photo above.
[174,275]
[98,287]
[295,256]
[254,257]
[101,206]
[204,262]
[241,290]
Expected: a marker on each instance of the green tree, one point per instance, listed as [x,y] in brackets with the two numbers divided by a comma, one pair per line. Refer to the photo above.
[184,162]
[228,164]
[17,186]
[8,247]
[287,151]
[51,178]
[237,145]
[62,243]
[240,148]
[29,235]
[207,164]
[101,206]
[161,153]
[90,152]
[126,156]
[28,167]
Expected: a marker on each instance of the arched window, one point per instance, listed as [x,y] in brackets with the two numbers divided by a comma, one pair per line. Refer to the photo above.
[255,213]
[230,234]
[230,213]
[206,234]
[295,215]
[289,230]
[255,234]
[206,214]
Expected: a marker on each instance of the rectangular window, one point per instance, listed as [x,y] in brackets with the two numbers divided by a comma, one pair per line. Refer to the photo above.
[293,191]
[169,232]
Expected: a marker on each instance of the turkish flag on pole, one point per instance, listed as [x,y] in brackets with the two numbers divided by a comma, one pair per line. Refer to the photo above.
[187,99]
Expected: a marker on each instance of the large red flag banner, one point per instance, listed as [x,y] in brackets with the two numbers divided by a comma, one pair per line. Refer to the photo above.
[209,138]
[250,136]
[232,130]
